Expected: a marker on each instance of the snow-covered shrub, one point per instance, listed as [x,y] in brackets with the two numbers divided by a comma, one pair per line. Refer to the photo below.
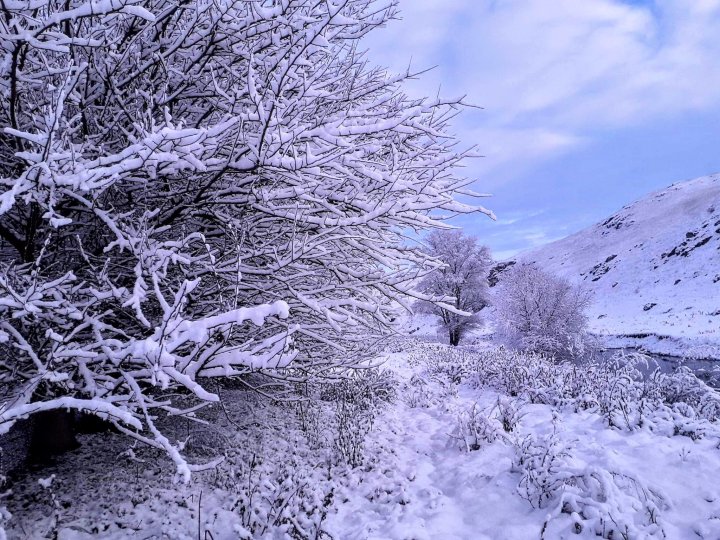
[543,465]
[397,344]
[709,406]
[204,442]
[530,375]
[624,388]
[453,373]
[198,189]
[313,422]
[606,504]
[629,399]
[422,354]
[617,392]
[680,419]
[683,386]
[52,502]
[508,412]
[376,386]
[685,422]
[436,380]
[276,500]
[576,388]
[475,428]
[540,312]
[368,387]
[454,365]
[353,422]
[357,400]
[419,393]
[355,411]
[616,388]
[590,500]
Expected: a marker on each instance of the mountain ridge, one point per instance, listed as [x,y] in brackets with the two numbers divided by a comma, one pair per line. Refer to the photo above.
[653,266]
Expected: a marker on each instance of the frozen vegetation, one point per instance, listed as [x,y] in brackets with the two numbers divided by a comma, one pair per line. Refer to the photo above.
[212,216]
[203,191]
[440,442]
[463,279]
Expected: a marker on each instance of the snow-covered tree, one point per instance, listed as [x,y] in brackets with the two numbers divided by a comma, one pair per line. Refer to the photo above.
[193,189]
[541,312]
[462,280]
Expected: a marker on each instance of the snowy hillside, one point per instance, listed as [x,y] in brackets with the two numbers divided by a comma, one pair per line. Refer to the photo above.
[654,266]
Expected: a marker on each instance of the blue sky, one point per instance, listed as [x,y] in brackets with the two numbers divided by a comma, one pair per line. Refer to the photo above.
[587,104]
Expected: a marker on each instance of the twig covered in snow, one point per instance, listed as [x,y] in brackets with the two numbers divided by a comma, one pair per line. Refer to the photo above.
[202,189]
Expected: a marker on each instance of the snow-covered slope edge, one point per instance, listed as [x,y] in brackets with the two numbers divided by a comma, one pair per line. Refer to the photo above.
[654,268]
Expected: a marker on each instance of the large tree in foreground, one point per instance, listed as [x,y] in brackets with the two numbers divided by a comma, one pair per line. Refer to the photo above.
[462,280]
[194,189]
[542,312]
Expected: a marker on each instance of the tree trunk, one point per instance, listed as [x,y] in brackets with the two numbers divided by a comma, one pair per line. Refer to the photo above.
[454,338]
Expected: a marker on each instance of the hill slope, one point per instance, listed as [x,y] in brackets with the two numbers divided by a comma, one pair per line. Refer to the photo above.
[654,266]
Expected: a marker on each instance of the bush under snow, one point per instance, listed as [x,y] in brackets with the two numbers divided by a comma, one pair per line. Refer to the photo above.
[540,312]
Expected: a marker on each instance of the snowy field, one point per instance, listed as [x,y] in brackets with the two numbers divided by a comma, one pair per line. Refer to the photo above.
[472,443]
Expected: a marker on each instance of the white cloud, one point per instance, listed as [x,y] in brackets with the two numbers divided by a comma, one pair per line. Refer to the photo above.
[507,148]
[551,73]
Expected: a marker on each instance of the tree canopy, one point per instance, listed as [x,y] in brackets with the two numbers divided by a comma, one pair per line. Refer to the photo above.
[193,189]
[541,312]
[463,280]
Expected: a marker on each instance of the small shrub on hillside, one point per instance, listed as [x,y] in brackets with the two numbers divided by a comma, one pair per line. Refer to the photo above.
[542,463]
[508,412]
[606,504]
[474,428]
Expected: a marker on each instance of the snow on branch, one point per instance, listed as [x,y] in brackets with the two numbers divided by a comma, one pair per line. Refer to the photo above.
[201,189]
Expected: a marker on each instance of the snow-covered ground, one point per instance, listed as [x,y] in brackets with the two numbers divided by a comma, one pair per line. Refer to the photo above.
[654,268]
[439,462]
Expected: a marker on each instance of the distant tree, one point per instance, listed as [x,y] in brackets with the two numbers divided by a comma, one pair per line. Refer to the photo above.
[462,279]
[541,312]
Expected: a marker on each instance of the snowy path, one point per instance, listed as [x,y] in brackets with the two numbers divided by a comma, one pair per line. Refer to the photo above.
[448,493]
[453,494]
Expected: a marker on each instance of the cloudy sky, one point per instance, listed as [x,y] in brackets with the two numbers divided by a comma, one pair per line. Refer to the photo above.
[587,104]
